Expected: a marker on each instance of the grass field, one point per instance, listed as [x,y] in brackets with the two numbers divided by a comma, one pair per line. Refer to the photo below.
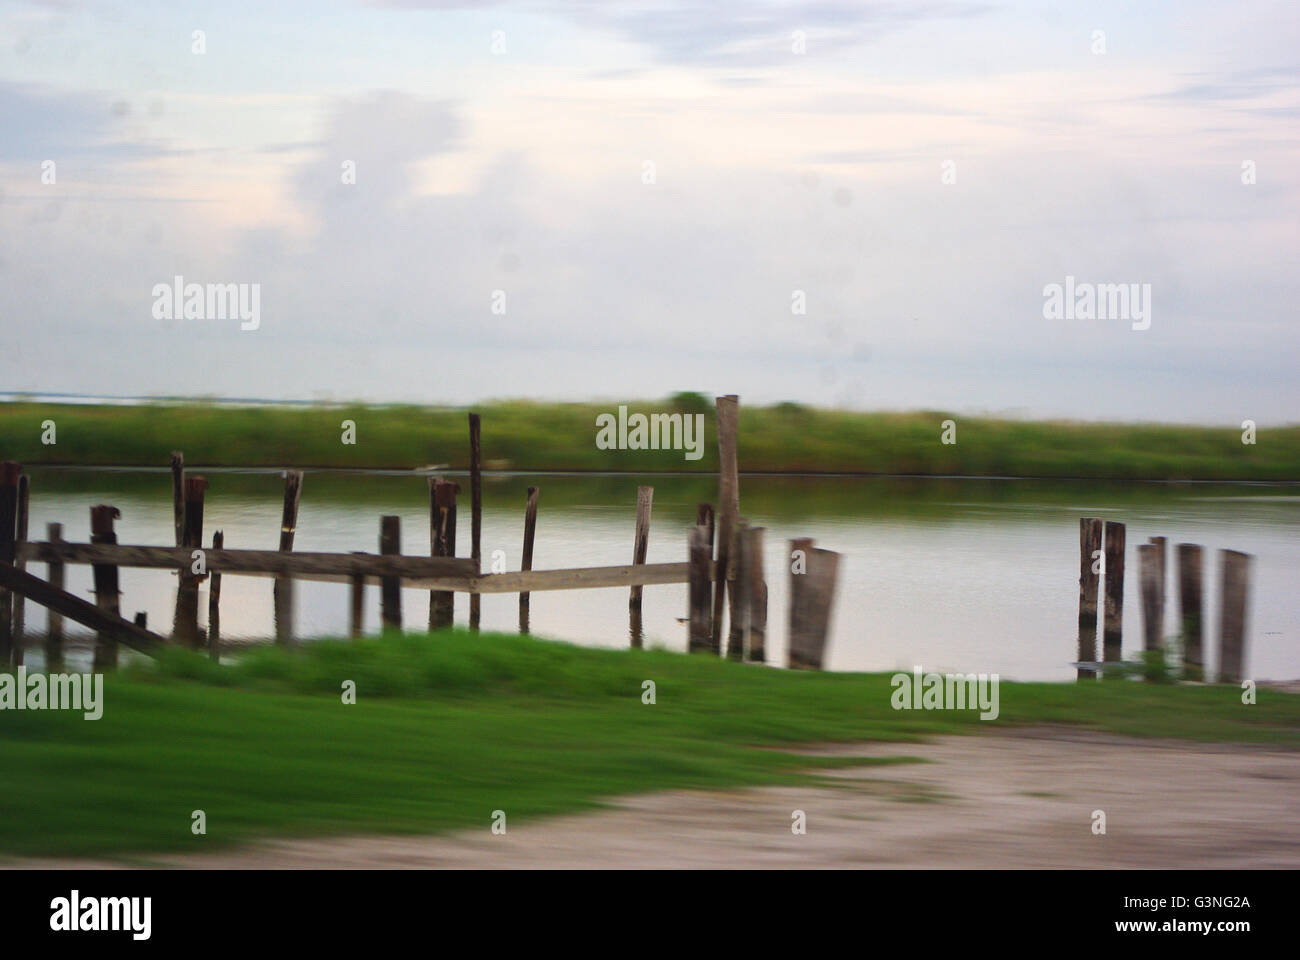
[448,728]
[560,436]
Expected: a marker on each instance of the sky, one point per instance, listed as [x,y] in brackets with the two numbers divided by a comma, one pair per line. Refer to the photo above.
[849,204]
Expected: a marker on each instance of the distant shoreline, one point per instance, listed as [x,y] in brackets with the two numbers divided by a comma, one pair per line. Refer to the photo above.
[531,437]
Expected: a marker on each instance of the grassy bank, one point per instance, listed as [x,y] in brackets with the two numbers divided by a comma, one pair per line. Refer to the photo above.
[557,436]
[447,729]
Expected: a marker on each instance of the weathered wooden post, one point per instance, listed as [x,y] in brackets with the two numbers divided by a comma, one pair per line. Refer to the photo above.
[641,542]
[728,505]
[390,588]
[20,602]
[178,496]
[214,602]
[1191,606]
[476,511]
[9,474]
[357,600]
[54,630]
[1112,626]
[442,542]
[738,636]
[1152,596]
[813,575]
[757,595]
[526,563]
[283,591]
[1233,595]
[185,624]
[701,639]
[106,585]
[1089,578]
[704,517]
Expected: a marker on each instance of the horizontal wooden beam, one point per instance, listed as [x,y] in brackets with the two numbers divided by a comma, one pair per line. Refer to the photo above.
[428,573]
[581,578]
[251,561]
[74,608]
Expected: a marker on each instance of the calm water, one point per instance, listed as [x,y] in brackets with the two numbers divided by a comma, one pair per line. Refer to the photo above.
[968,575]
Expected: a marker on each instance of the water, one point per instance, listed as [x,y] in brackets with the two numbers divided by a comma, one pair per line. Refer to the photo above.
[950,574]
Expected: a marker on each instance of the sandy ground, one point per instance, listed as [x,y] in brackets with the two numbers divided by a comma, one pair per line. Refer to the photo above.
[995,800]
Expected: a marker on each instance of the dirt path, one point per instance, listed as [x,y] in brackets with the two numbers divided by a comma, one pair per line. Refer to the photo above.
[1001,800]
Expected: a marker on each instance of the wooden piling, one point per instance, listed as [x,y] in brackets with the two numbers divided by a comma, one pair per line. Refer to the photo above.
[20,602]
[106,585]
[9,474]
[1233,595]
[390,588]
[214,603]
[54,619]
[476,510]
[1191,606]
[756,649]
[442,543]
[185,623]
[738,634]
[812,595]
[641,542]
[526,562]
[178,496]
[1089,579]
[1152,596]
[700,637]
[283,591]
[1162,550]
[1112,627]
[357,604]
[728,505]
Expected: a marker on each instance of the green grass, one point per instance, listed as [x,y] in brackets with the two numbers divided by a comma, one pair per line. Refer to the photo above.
[449,728]
[561,436]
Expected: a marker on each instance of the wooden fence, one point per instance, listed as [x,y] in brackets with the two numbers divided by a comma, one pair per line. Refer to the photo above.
[722,576]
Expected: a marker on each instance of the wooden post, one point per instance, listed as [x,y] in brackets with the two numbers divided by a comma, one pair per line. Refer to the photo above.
[476,510]
[283,591]
[9,473]
[701,638]
[757,595]
[740,593]
[1191,606]
[20,602]
[1161,544]
[704,517]
[390,588]
[357,598]
[530,529]
[442,542]
[811,597]
[1089,578]
[106,590]
[1152,599]
[728,505]
[178,496]
[641,542]
[214,603]
[54,630]
[1233,595]
[185,624]
[1112,625]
